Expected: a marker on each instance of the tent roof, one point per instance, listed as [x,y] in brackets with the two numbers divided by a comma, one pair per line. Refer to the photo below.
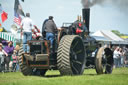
[108,35]
[100,38]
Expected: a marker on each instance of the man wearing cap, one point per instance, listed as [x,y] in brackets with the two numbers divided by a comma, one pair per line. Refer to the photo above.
[26,26]
[50,28]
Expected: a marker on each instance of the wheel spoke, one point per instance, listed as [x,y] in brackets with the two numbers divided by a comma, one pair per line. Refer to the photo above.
[108,64]
[78,62]
[75,68]
[75,45]
[79,51]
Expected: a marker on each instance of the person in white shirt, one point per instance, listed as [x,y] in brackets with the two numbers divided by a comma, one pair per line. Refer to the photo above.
[116,56]
[26,25]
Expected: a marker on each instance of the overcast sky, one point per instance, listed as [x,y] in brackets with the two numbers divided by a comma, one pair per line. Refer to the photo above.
[106,17]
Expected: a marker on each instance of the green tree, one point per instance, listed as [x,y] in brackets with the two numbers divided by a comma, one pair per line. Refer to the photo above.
[117,33]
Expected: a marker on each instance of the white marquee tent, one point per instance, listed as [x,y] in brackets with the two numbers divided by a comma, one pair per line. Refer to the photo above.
[103,35]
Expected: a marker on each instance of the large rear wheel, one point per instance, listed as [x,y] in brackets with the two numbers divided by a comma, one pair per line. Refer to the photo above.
[71,55]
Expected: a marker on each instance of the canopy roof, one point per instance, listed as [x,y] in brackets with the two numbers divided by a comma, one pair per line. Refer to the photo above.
[103,35]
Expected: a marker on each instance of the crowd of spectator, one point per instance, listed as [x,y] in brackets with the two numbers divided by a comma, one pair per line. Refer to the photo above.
[8,57]
[120,56]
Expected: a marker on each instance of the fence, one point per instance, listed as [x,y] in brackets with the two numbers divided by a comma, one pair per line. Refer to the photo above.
[10,37]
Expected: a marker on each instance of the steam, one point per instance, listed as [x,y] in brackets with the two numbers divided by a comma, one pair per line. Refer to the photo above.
[90,3]
[120,4]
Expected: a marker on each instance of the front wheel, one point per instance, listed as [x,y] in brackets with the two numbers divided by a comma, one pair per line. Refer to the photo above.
[104,61]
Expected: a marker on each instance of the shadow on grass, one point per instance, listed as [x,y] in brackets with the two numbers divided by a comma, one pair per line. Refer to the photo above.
[47,76]
[91,74]
[51,76]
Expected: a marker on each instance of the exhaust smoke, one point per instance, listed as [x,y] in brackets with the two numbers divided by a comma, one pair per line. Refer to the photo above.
[122,5]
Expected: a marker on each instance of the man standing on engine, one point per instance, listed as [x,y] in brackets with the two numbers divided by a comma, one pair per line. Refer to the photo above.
[26,26]
[50,30]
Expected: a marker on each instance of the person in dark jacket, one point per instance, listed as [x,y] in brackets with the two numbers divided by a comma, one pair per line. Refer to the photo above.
[43,28]
[50,29]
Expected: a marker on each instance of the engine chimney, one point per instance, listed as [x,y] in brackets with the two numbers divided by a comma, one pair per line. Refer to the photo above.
[86,17]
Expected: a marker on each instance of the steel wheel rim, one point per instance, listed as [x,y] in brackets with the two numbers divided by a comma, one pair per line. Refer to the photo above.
[77,56]
[102,62]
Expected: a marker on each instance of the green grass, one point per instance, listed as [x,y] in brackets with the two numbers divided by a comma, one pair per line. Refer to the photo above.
[118,77]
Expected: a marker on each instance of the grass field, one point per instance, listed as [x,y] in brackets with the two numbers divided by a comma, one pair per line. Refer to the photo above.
[118,77]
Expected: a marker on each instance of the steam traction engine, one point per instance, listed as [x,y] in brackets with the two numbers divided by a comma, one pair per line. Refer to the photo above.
[71,52]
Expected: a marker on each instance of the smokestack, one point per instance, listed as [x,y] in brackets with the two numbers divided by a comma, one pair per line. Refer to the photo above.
[86,17]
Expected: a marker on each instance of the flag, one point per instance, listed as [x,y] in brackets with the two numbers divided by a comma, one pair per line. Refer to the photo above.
[17,12]
[4,16]
[18,8]
[17,18]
